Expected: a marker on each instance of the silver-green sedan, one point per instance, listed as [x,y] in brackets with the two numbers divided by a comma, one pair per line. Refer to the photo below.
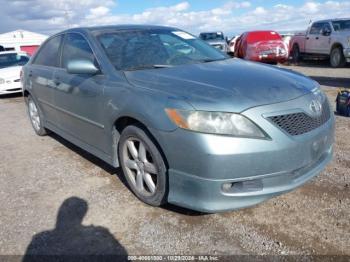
[187,124]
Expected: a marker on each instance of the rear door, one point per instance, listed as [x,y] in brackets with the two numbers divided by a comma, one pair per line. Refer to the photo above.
[40,77]
[79,97]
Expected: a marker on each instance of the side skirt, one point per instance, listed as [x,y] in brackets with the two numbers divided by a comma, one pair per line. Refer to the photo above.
[76,141]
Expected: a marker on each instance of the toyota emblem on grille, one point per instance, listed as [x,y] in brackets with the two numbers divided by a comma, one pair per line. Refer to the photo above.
[316,107]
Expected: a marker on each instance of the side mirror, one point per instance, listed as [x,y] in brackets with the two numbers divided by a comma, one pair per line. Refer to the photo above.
[326,32]
[83,67]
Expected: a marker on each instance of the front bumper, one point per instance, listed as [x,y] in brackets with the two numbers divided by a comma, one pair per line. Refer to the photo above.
[347,54]
[200,164]
[10,88]
[208,195]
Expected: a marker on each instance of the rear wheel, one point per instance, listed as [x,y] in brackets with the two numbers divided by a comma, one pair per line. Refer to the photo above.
[143,165]
[348,111]
[337,58]
[35,116]
[296,54]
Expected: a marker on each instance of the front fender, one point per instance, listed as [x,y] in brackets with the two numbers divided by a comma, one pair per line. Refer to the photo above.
[146,106]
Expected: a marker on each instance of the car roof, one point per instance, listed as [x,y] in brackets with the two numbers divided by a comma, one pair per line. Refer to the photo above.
[331,20]
[95,29]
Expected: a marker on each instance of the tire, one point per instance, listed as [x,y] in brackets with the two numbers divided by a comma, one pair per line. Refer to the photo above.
[142,167]
[348,111]
[337,58]
[35,117]
[296,54]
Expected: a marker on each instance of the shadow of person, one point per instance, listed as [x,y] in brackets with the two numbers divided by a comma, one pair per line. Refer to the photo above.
[71,240]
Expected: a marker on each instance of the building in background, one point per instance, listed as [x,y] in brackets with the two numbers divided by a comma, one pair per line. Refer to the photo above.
[21,40]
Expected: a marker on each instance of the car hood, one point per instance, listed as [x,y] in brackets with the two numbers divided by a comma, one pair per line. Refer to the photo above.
[10,72]
[231,85]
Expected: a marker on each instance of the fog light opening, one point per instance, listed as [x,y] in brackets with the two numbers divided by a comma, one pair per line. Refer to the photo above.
[243,186]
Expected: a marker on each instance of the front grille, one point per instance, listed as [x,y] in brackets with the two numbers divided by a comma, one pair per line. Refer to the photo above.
[300,123]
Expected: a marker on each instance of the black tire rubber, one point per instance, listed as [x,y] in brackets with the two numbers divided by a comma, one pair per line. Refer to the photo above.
[42,131]
[160,196]
[296,54]
[348,111]
[342,61]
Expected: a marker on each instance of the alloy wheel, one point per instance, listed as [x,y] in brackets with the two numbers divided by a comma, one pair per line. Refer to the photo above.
[34,115]
[140,167]
[336,57]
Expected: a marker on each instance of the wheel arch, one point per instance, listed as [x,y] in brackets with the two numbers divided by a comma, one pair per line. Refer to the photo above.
[295,44]
[335,45]
[26,93]
[120,124]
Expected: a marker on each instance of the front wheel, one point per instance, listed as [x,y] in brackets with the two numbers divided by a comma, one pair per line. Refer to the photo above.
[35,117]
[337,58]
[143,165]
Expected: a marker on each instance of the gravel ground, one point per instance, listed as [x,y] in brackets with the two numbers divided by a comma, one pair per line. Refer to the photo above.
[41,175]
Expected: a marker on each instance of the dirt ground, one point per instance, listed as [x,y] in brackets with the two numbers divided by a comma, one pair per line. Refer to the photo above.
[41,175]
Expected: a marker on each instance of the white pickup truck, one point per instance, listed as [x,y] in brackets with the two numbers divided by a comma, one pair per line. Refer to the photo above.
[328,39]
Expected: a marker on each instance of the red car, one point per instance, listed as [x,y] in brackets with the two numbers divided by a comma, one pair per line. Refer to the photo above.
[262,46]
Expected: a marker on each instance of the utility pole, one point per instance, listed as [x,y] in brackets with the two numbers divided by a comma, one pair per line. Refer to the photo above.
[66,17]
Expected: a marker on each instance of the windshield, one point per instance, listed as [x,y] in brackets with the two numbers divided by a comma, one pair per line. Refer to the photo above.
[341,25]
[7,60]
[143,49]
[211,36]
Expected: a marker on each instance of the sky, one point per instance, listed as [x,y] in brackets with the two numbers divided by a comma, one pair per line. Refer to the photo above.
[194,16]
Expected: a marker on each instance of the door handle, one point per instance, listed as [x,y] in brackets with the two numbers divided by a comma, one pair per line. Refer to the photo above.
[30,73]
[317,38]
[307,38]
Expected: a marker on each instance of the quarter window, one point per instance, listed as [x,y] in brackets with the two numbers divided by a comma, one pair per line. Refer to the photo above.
[49,53]
[76,48]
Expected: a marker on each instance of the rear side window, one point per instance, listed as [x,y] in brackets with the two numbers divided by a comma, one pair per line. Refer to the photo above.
[76,48]
[49,53]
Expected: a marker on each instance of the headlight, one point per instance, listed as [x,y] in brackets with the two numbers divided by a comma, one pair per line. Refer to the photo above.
[2,81]
[216,123]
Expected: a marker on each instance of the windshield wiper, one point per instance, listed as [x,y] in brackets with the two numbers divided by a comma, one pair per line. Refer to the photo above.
[212,60]
[147,67]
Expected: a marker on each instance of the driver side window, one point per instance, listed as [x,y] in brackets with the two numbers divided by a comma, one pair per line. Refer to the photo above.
[76,48]
[316,28]
[327,27]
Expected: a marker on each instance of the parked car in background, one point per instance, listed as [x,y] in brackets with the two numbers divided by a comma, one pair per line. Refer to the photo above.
[232,44]
[326,39]
[11,63]
[261,46]
[196,129]
[215,39]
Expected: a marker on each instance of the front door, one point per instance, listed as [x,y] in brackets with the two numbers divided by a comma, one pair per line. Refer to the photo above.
[79,97]
[312,39]
[325,40]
